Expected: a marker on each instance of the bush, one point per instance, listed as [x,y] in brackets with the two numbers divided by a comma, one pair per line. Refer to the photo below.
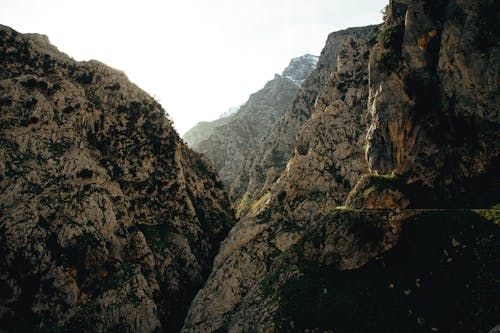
[391,37]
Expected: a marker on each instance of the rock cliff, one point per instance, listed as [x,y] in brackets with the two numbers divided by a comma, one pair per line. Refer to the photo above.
[403,131]
[327,161]
[234,138]
[434,102]
[108,221]
[371,203]
[263,167]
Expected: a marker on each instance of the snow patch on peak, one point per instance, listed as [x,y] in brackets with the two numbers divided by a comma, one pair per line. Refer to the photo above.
[300,67]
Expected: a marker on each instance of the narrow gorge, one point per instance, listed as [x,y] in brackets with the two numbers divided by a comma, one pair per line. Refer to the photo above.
[357,191]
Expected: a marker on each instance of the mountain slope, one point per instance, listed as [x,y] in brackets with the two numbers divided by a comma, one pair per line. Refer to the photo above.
[407,252]
[234,138]
[269,159]
[203,130]
[308,189]
[108,221]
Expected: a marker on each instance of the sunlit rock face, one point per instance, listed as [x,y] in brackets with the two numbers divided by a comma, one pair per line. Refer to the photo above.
[327,161]
[352,224]
[108,221]
[264,166]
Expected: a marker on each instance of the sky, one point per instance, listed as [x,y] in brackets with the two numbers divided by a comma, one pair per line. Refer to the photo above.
[197,57]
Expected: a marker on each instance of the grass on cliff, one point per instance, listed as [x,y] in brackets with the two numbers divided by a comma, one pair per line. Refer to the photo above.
[443,275]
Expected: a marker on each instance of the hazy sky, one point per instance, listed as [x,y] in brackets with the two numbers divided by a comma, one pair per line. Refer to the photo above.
[198,57]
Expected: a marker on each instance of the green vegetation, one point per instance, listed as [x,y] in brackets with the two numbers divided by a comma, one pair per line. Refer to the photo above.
[84,173]
[59,148]
[33,83]
[158,235]
[85,78]
[391,39]
[492,215]
[419,195]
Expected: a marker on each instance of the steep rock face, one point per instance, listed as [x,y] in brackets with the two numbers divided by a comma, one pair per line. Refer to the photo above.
[230,143]
[434,101]
[108,221]
[291,264]
[382,271]
[328,160]
[270,158]
[300,68]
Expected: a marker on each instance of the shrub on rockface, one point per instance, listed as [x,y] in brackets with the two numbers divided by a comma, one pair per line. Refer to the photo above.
[390,191]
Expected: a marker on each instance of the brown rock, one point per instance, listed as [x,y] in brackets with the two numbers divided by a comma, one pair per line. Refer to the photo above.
[108,222]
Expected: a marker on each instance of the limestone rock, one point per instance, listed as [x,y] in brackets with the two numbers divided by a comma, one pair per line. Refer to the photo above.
[357,271]
[422,122]
[263,167]
[434,102]
[108,221]
[308,189]
[203,130]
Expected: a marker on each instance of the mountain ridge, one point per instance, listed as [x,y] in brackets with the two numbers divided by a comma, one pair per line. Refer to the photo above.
[106,220]
[367,180]
[230,140]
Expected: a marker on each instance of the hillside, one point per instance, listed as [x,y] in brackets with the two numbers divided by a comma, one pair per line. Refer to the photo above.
[357,192]
[385,216]
[108,222]
[265,164]
[233,139]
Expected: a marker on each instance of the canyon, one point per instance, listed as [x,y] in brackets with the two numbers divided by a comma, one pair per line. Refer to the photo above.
[355,192]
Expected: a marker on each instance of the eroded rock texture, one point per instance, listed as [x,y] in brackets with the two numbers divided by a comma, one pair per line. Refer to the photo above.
[434,102]
[265,164]
[404,121]
[108,222]
[328,158]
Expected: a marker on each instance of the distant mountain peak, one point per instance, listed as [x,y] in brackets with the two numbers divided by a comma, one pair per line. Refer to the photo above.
[229,112]
[300,68]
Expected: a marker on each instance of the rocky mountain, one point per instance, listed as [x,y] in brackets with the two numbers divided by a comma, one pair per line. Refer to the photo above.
[368,203]
[230,140]
[384,214]
[263,167]
[204,129]
[326,163]
[229,112]
[108,221]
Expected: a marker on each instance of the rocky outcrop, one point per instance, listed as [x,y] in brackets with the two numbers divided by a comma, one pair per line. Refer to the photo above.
[300,68]
[382,271]
[327,161]
[434,102]
[263,167]
[235,137]
[422,125]
[108,221]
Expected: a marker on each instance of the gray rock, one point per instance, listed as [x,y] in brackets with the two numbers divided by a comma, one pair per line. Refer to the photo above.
[263,167]
[227,142]
[108,221]
[307,190]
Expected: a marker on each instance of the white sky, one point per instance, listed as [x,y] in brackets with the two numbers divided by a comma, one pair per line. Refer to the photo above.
[198,57]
